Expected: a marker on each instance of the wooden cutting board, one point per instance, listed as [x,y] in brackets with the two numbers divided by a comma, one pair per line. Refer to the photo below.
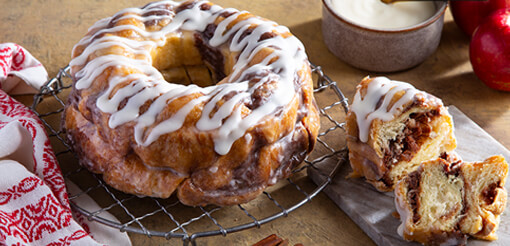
[374,211]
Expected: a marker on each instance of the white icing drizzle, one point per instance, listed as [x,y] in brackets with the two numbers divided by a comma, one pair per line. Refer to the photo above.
[365,108]
[401,209]
[149,84]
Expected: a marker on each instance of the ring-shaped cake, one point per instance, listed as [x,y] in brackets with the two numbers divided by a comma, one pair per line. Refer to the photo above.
[216,104]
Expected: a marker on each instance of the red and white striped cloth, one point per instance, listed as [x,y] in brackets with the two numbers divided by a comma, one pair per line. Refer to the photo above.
[34,207]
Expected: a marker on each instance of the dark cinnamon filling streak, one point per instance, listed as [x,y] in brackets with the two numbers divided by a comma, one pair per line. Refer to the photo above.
[409,141]
[489,193]
[414,190]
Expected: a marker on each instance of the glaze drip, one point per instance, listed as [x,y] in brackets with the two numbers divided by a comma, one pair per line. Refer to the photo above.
[228,122]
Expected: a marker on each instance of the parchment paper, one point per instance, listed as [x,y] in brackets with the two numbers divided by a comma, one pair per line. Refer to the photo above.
[373,211]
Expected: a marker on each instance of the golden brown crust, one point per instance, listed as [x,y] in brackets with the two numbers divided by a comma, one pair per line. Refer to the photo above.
[185,160]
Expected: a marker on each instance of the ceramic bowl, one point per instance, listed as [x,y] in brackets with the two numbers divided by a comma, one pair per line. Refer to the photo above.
[381,50]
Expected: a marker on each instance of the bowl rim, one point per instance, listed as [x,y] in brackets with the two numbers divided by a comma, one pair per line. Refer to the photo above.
[439,12]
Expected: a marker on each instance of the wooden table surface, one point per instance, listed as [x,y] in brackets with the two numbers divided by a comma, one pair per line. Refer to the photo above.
[50,28]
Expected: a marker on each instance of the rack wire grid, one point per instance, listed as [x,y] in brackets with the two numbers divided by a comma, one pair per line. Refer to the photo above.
[168,217]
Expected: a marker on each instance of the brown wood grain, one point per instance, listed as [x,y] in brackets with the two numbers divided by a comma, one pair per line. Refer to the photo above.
[50,28]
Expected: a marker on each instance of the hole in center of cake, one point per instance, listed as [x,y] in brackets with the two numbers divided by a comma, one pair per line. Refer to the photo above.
[199,75]
[189,59]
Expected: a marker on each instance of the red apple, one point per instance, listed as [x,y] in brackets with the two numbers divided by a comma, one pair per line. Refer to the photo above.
[489,50]
[469,14]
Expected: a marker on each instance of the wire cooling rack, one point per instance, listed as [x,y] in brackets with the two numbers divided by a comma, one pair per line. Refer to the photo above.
[168,217]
